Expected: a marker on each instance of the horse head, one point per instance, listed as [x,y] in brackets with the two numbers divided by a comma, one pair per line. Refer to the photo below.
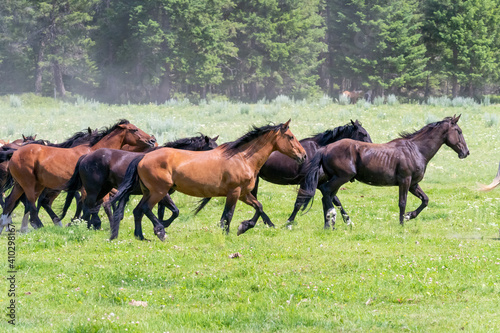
[288,144]
[455,139]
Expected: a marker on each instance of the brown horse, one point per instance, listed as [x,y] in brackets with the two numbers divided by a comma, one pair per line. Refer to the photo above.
[400,162]
[8,149]
[229,170]
[353,95]
[493,184]
[35,167]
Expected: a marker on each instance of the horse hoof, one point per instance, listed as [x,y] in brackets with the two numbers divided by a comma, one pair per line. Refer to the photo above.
[289,227]
[57,222]
[241,230]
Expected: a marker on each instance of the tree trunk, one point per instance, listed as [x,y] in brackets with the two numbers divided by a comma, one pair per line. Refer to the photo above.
[164,87]
[454,80]
[58,80]
[38,67]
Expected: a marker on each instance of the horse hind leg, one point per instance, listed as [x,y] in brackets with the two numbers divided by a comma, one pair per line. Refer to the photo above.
[11,203]
[250,200]
[345,216]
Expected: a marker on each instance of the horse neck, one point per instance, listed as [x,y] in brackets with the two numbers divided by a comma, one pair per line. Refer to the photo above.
[113,140]
[259,149]
[429,144]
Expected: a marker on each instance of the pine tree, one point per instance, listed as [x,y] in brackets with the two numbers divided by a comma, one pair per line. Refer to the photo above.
[463,37]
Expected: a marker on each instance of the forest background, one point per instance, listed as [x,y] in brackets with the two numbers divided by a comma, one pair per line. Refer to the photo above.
[135,51]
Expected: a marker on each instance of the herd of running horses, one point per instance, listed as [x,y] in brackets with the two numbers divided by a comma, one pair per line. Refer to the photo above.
[105,167]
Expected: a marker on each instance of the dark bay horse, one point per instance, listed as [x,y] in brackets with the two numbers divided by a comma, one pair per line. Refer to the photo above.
[35,167]
[282,170]
[104,169]
[229,170]
[400,162]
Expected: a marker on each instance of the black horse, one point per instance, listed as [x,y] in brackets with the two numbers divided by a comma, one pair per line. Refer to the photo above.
[283,170]
[99,172]
[400,162]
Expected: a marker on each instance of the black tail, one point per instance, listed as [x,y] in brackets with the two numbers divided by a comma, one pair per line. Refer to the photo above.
[6,155]
[307,191]
[202,203]
[73,185]
[9,183]
[123,194]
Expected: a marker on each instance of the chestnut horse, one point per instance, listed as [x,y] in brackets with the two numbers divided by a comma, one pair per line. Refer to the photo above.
[400,162]
[35,167]
[282,170]
[229,170]
[104,169]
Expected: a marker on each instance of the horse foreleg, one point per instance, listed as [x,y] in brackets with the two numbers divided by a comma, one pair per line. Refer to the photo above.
[404,186]
[227,214]
[250,200]
[168,203]
[419,193]
[45,200]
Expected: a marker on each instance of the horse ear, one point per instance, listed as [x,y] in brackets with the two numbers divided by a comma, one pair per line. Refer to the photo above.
[89,130]
[355,123]
[24,138]
[285,126]
[34,137]
[455,119]
[215,138]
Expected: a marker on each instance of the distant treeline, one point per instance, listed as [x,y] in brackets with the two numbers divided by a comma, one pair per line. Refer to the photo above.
[155,50]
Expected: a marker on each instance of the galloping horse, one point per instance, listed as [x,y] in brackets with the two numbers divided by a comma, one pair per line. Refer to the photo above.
[104,169]
[400,162]
[8,149]
[229,170]
[282,170]
[35,167]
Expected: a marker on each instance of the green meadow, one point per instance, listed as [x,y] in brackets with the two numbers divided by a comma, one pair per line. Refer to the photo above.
[438,273]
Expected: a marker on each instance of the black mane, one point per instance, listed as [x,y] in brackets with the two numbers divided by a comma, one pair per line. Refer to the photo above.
[232,148]
[329,136]
[77,139]
[424,130]
[98,135]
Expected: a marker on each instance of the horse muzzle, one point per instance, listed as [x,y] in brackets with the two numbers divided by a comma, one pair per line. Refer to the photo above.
[463,155]
[152,142]
[301,159]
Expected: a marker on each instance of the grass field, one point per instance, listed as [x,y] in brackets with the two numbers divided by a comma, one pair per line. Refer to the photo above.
[438,273]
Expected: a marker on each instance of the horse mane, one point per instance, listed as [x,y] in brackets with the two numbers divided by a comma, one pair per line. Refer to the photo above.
[77,139]
[184,142]
[424,130]
[97,136]
[232,148]
[328,136]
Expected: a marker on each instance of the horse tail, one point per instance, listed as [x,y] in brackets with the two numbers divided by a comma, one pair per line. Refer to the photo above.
[71,187]
[493,184]
[9,183]
[123,194]
[308,189]
[201,204]
[6,155]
